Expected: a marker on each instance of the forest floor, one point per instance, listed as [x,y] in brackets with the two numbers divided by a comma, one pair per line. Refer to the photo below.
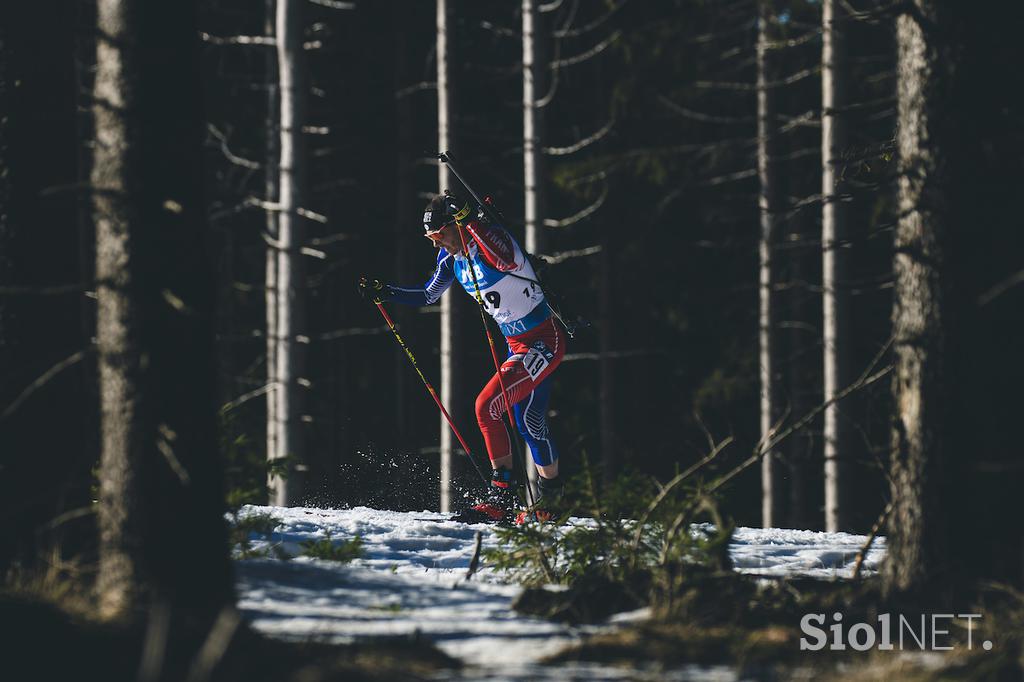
[411,583]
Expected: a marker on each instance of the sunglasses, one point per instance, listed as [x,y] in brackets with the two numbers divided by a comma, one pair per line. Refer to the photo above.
[436,234]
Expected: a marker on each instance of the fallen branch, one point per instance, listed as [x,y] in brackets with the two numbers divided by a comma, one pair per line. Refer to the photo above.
[871,539]
[474,563]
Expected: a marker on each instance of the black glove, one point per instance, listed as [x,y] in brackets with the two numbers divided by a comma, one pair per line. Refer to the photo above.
[374,291]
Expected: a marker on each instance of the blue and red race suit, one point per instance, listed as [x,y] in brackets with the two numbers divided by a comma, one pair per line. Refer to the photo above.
[536,342]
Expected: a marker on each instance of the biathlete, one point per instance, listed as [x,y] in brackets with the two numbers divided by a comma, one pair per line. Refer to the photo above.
[513,296]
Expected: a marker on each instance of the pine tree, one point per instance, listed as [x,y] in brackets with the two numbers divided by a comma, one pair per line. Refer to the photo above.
[918,556]
[771,497]
[290,352]
[162,532]
[835,297]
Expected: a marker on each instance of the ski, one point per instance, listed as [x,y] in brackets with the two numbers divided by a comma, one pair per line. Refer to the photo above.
[474,516]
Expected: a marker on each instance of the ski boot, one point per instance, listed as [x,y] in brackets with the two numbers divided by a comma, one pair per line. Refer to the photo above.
[497,504]
[549,494]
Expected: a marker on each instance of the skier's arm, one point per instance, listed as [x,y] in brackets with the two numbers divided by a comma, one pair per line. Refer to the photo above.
[497,246]
[431,290]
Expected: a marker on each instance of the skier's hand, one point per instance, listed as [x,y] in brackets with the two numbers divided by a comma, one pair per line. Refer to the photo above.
[373,290]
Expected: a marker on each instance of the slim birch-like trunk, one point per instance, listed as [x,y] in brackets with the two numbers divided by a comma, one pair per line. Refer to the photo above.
[534,82]
[291,320]
[835,298]
[451,395]
[766,116]
[271,195]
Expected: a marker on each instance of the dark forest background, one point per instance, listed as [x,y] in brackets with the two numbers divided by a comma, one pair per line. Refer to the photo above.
[672,180]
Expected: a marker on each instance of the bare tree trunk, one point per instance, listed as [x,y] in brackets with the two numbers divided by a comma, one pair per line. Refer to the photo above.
[271,179]
[766,115]
[162,534]
[835,298]
[534,84]
[291,319]
[917,557]
[451,393]
[121,572]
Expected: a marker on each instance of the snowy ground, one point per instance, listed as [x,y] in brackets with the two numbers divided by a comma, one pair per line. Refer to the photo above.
[412,579]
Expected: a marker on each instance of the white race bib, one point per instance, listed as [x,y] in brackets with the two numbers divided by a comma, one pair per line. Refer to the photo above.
[534,362]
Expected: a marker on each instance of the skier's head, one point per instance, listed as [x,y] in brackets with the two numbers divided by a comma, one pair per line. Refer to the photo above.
[443,211]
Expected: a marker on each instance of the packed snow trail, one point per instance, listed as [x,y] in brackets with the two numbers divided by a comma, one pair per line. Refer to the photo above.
[412,579]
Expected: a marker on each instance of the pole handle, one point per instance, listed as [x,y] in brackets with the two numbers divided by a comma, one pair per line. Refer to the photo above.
[485,206]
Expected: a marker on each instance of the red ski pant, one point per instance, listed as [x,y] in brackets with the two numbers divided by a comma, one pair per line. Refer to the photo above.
[533,356]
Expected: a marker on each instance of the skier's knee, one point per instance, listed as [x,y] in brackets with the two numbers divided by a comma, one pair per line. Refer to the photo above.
[485,408]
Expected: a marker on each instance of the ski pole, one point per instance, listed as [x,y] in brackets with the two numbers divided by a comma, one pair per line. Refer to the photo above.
[433,393]
[494,356]
[444,158]
[488,209]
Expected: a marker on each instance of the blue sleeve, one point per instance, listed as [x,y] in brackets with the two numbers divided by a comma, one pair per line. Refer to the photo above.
[438,283]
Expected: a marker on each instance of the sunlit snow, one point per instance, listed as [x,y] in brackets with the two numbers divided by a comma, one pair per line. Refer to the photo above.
[413,580]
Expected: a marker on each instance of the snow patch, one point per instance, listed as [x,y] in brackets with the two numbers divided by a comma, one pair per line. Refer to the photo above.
[412,581]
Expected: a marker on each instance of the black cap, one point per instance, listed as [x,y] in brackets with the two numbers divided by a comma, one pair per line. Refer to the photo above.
[443,209]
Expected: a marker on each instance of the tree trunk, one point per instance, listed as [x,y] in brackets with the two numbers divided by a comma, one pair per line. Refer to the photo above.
[835,297]
[771,497]
[451,346]
[917,559]
[162,533]
[534,86]
[270,289]
[291,319]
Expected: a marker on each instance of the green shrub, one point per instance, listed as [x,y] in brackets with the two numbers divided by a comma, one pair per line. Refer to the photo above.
[246,467]
[243,527]
[245,464]
[635,533]
[260,523]
[328,550]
